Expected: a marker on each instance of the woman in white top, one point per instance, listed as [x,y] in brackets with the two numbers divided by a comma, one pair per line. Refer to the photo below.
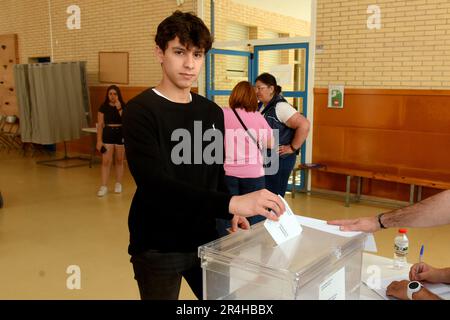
[292,129]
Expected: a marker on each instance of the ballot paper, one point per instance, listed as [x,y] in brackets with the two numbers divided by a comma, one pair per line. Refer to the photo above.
[442,290]
[321,225]
[286,228]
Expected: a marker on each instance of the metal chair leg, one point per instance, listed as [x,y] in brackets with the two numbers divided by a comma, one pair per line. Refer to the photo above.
[294,173]
[411,193]
[347,192]
[358,190]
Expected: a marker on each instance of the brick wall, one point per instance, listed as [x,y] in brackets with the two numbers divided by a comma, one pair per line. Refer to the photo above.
[262,25]
[118,25]
[227,10]
[113,25]
[410,50]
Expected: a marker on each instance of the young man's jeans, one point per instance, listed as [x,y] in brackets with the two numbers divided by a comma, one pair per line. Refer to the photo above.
[239,186]
[158,274]
[277,183]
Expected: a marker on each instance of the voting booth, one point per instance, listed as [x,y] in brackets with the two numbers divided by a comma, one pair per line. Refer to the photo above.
[315,265]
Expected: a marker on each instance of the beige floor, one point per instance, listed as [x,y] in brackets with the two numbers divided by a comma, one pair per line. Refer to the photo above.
[52,219]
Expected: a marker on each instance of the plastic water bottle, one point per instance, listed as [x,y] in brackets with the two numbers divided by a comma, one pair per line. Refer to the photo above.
[401,247]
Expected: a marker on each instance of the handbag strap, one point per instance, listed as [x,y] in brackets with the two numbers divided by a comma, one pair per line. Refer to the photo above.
[246,129]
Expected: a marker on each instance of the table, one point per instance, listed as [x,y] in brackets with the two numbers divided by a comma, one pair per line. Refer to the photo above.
[93,133]
[386,271]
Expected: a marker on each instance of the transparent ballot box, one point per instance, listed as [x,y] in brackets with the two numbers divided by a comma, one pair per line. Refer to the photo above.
[315,265]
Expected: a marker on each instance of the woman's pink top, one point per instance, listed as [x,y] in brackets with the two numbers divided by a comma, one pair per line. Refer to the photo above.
[242,157]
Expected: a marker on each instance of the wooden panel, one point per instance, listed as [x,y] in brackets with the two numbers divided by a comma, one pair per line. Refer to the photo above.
[399,130]
[329,142]
[371,146]
[8,57]
[427,114]
[362,115]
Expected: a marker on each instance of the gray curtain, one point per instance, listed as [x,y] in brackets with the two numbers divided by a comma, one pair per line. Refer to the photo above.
[53,101]
[23,100]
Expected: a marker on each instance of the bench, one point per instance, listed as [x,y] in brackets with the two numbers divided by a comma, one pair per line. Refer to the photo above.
[400,176]
[306,169]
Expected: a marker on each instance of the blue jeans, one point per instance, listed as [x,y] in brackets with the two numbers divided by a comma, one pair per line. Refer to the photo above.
[278,182]
[236,187]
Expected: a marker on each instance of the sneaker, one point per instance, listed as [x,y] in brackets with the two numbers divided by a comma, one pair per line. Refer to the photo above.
[118,188]
[102,191]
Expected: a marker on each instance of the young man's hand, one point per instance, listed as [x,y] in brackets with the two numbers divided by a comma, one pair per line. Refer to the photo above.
[262,202]
[367,224]
[239,222]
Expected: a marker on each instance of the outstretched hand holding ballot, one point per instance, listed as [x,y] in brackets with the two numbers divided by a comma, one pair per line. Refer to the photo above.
[286,228]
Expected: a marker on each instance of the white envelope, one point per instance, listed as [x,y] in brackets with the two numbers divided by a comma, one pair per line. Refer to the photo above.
[286,228]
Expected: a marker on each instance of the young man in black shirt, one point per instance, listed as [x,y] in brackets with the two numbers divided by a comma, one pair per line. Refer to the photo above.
[179,194]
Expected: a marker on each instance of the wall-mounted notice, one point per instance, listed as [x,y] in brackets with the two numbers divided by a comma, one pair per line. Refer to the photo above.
[336,96]
[113,67]
[284,73]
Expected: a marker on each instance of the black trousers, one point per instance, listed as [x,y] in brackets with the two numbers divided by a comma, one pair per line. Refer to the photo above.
[158,274]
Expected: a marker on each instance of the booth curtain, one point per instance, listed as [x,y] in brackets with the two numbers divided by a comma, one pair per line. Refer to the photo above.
[53,101]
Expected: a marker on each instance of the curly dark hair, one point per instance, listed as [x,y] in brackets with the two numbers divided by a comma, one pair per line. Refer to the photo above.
[189,28]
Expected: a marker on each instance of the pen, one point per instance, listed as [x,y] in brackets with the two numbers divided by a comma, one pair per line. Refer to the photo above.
[419,269]
[421,254]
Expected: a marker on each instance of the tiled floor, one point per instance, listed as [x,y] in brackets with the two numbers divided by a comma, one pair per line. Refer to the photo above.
[52,220]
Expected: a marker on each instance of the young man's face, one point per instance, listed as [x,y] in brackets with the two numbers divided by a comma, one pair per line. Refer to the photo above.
[181,66]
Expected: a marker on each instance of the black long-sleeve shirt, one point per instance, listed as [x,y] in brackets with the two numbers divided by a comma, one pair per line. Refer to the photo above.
[175,205]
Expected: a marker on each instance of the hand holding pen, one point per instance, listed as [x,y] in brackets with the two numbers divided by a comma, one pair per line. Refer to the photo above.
[417,268]
[424,272]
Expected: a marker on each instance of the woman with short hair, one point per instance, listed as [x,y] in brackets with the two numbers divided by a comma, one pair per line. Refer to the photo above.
[247,133]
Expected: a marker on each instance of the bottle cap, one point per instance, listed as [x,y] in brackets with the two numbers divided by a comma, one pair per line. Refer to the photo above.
[403,230]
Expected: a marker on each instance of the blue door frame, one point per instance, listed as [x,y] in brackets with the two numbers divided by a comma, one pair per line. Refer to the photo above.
[290,94]
[210,70]
[253,69]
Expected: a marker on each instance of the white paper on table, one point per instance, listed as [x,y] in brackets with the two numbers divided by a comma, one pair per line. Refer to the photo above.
[321,225]
[370,245]
[440,289]
[286,228]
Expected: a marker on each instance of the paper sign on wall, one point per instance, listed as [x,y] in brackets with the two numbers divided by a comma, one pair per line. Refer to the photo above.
[336,96]
[284,73]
